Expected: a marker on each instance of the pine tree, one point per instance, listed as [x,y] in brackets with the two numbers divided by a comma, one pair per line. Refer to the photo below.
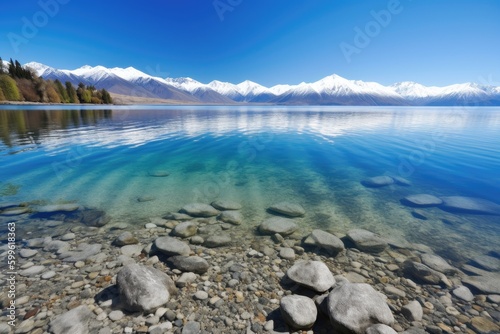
[106,97]
[73,98]
[2,97]
[63,93]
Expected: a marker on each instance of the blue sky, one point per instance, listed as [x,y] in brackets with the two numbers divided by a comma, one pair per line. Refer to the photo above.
[267,41]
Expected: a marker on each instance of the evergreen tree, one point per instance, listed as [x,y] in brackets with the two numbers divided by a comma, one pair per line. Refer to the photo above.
[12,68]
[73,98]
[63,93]
[2,97]
[9,88]
[106,97]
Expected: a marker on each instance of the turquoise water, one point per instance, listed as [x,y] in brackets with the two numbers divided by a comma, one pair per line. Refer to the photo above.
[315,156]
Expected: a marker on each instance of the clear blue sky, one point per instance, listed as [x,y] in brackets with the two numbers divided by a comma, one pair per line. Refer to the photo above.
[267,41]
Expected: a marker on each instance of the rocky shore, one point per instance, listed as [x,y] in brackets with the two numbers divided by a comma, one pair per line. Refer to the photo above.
[203,270]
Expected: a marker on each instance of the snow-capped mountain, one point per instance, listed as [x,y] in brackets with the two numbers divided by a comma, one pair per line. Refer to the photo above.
[331,90]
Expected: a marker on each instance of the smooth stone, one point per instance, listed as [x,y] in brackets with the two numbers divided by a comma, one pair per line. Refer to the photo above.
[226,205]
[354,307]
[380,329]
[192,327]
[75,321]
[377,181]
[438,263]
[413,311]
[494,299]
[27,253]
[6,205]
[25,327]
[280,225]
[162,328]
[419,214]
[200,210]
[125,238]
[94,218]
[367,241]
[324,240]
[57,246]
[487,262]
[16,211]
[144,288]
[185,229]
[484,325]
[299,312]
[287,253]
[131,250]
[185,279]
[4,328]
[39,242]
[354,277]
[423,200]
[82,253]
[177,216]
[231,217]
[196,240]
[58,208]
[401,181]
[125,260]
[158,173]
[32,271]
[68,236]
[463,293]
[219,240]
[421,272]
[487,283]
[149,226]
[48,274]
[288,209]
[193,264]
[393,291]
[312,274]
[171,246]
[470,205]
[201,295]
[116,315]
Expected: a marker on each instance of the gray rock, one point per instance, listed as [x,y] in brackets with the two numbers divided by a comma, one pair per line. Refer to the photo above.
[143,288]
[421,272]
[401,181]
[423,200]
[288,209]
[287,253]
[299,312]
[48,274]
[470,205]
[75,321]
[312,274]
[437,263]
[193,264]
[39,242]
[26,253]
[226,205]
[32,271]
[219,240]
[4,328]
[177,216]
[380,329]
[15,211]
[185,229]
[200,295]
[57,246]
[200,210]
[95,218]
[367,241]
[463,293]
[185,279]
[487,262]
[82,253]
[354,307]
[192,327]
[170,246]
[131,250]
[126,238]
[58,208]
[6,205]
[377,181]
[68,236]
[419,214]
[116,315]
[231,217]
[488,283]
[324,240]
[283,226]
[413,311]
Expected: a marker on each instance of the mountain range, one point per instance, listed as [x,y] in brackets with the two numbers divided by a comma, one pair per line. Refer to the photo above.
[331,90]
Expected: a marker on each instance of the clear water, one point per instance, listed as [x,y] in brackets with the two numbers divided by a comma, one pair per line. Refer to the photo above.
[315,156]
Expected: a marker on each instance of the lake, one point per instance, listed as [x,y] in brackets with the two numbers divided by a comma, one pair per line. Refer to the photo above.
[118,159]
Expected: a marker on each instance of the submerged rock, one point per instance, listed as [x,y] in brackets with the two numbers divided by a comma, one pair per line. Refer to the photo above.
[14,211]
[193,264]
[470,205]
[299,312]
[487,262]
[401,181]
[377,181]
[419,214]
[75,321]
[367,241]
[224,205]
[463,293]
[200,210]
[58,208]
[354,307]
[82,253]
[95,218]
[177,216]
[413,311]
[185,229]
[218,240]
[423,200]
[126,238]
[143,288]
[326,241]
[171,246]
[288,209]
[283,226]
[421,272]
[438,263]
[231,217]
[486,282]
[312,274]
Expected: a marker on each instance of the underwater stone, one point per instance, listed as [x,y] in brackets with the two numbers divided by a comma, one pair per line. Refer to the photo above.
[226,205]
[288,209]
[283,226]
[58,208]
[185,229]
[74,321]
[170,246]
[422,200]
[200,210]
[367,241]
[437,263]
[377,181]
[470,205]
[231,217]
[326,241]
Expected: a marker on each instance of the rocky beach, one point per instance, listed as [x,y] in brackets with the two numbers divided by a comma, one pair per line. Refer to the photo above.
[203,269]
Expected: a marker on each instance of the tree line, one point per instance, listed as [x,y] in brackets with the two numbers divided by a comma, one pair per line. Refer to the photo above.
[18,83]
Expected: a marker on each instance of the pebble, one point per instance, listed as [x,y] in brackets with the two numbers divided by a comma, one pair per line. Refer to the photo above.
[68,237]
[48,274]
[245,315]
[26,253]
[287,253]
[201,295]
[79,264]
[116,315]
